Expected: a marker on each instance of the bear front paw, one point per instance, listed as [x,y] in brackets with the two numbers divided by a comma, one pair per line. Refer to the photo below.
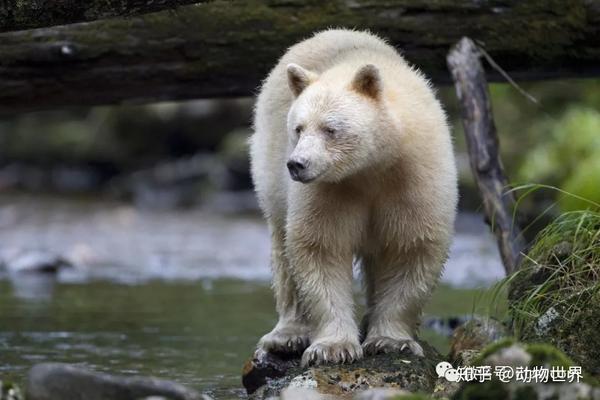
[384,344]
[284,342]
[335,352]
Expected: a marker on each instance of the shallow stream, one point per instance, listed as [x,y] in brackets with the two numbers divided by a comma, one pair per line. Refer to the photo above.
[181,295]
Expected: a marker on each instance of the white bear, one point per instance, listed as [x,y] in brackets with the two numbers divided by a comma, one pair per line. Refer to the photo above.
[352,161]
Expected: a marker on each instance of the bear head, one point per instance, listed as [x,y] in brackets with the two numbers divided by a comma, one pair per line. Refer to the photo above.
[335,122]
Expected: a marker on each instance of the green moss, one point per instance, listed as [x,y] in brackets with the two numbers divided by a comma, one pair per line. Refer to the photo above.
[493,348]
[490,390]
[542,354]
[413,396]
[547,355]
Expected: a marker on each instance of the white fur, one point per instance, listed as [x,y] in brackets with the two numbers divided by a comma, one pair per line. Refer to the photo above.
[382,190]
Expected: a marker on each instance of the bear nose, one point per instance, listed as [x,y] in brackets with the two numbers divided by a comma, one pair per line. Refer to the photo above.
[296,167]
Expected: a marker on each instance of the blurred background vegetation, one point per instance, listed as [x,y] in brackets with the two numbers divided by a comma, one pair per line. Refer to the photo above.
[172,154]
[555,142]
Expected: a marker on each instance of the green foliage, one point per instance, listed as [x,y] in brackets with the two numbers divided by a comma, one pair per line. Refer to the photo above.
[569,157]
[126,137]
[585,182]
[561,268]
[548,142]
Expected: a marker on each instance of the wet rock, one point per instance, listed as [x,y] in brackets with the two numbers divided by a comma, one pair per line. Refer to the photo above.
[266,375]
[473,336]
[56,381]
[35,261]
[520,355]
[9,391]
[265,366]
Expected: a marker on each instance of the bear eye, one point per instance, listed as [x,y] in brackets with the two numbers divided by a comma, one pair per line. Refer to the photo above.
[299,129]
[329,130]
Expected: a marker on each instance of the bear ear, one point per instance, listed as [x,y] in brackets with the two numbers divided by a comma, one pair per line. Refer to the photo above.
[367,81]
[299,78]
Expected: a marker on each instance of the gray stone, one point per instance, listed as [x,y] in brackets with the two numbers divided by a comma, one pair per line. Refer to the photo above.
[55,381]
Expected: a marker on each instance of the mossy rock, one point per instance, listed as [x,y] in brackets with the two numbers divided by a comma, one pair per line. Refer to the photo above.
[509,352]
[401,370]
[538,354]
[555,296]
[472,336]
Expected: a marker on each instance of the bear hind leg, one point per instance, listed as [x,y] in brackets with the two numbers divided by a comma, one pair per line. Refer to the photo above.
[396,293]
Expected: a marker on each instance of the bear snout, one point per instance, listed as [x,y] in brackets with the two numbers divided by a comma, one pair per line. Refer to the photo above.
[297,168]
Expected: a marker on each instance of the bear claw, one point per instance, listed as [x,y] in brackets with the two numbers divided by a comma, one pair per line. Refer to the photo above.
[284,343]
[331,352]
[384,344]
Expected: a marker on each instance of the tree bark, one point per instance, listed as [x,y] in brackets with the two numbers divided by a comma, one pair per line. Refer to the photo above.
[224,48]
[482,143]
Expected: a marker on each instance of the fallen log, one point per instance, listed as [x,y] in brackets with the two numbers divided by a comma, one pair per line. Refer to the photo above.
[224,48]
[16,15]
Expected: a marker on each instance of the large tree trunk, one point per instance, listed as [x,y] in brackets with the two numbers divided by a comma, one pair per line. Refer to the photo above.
[220,48]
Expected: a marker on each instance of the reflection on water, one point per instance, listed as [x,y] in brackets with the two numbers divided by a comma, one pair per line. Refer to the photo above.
[195,334]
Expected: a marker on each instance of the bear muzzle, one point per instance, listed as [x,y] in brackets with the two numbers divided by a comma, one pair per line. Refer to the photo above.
[298,168]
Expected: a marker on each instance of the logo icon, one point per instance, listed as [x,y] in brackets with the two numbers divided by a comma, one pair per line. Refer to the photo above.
[442,367]
[445,369]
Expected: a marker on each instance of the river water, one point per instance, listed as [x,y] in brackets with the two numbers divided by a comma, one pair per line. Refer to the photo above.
[181,295]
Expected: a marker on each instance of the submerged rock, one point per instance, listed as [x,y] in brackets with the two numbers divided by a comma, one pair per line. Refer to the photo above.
[35,261]
[267,375]
[56,381]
